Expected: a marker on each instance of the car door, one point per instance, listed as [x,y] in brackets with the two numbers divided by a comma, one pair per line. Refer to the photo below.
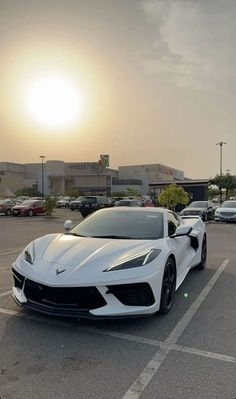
[180,245]
[38,208]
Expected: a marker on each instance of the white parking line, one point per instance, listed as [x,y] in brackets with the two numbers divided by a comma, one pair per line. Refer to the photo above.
[133,338]
[9,252]
[182,324]
[137,388]
[5,293]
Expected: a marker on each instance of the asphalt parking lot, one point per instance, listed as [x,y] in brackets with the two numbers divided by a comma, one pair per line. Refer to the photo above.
[189,353]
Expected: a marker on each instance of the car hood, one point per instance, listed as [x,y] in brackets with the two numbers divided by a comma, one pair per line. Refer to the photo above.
[228,210]
[62,259]
[78,252]
[21,206]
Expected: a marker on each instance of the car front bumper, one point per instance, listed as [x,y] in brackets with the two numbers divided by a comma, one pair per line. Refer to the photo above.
[102,301]
[224,218]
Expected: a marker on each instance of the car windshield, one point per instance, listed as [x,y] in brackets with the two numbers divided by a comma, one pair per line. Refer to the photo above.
[229,204]
[198,204]
[89,200]
[112,223]
[28,202]
[125,203]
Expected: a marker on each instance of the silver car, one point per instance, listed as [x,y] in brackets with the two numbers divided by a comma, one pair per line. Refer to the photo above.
[226,212]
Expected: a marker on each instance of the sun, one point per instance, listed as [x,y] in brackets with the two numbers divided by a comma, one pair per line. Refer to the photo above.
[54,101]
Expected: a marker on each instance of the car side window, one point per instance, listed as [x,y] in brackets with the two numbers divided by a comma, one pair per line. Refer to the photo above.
[173,223]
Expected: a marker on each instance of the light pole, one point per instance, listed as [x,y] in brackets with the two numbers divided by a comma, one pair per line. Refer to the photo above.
[42,157]
[220,144]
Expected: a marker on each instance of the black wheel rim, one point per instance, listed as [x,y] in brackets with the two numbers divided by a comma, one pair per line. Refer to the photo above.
[169,284]
[204,251]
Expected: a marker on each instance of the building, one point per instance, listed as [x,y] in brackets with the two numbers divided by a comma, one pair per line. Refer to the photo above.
[11,178]
[87,178]
[59,177]
[150,173]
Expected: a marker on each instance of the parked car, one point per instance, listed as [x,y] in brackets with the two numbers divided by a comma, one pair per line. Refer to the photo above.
[117,262]
[6,206]
[204,209]
[226,212]
[128,202]
[75,204]
[64,202]
[92,203]
[29,208]
[22,198]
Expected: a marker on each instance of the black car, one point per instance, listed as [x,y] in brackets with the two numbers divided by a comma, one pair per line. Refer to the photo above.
[91,203]
[204,209]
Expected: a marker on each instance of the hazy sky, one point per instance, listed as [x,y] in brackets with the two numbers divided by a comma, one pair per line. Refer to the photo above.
[158,78]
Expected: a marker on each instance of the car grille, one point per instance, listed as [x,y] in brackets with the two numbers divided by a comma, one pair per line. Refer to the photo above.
[76,298]
[138,294]
[228,214]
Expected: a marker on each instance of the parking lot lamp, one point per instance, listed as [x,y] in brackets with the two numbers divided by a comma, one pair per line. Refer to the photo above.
[220,144]
[42,157]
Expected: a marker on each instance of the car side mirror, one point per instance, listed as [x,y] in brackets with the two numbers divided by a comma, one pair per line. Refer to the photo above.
[68,225]
[182,231]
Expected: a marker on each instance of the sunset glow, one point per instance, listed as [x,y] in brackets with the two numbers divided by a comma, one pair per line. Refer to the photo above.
[53,102]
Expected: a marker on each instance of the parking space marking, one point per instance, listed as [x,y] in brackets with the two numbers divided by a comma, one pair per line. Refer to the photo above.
[182,324]
[5,293]
[133,338]
[164,347]
[139,385]
[204,353]
[9,252]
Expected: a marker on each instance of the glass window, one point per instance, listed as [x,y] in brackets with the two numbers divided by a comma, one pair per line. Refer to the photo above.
[114,223]
[173,223]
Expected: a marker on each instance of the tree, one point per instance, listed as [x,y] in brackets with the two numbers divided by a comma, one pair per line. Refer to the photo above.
[226,182]
[50,205]
[173,195]
[119,194]
[28,191]
[132,192]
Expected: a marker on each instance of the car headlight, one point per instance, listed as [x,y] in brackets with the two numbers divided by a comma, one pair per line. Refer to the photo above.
[29,253]
[141,260]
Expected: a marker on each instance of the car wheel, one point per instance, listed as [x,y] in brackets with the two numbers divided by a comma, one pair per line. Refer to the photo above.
[168,287]
[67,206]
[31,212]
[202,264]
[8,212]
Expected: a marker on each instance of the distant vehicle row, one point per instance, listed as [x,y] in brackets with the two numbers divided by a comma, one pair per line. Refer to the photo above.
[208,211]
[30,207]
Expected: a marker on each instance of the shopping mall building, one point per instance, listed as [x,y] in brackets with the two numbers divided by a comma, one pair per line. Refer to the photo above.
[59,177]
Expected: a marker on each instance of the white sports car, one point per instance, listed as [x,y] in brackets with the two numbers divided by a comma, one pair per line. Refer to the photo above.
[116,262]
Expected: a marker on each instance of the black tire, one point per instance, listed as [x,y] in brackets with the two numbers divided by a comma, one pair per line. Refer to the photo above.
[168,287]
[8,212]
[202,264]
[31,212]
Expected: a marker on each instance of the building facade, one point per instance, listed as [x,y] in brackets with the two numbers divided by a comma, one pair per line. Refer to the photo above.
[150,173]
[88,178]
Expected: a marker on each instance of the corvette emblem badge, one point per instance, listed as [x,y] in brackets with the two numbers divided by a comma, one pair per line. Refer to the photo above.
[60,271]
